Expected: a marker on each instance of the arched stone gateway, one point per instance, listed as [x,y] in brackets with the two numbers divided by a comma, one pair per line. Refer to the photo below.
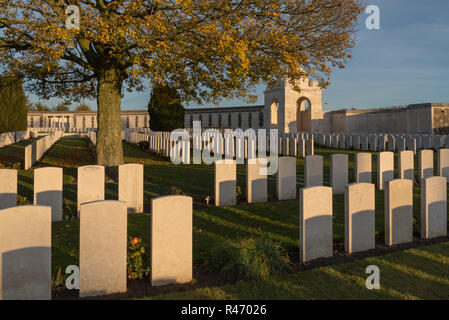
[297,111]
[284,109]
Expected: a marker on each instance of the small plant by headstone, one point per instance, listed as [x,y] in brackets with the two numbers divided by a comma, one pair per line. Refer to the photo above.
[138,258]
[239,193]
[416,226]
[249,259]
[22,201]
[58,280]
[17,166]
[69,210]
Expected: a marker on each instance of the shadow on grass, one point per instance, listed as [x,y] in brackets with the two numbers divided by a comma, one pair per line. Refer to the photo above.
[403,275]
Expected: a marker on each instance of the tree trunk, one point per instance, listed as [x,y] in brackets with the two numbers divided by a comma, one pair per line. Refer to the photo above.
[109,133]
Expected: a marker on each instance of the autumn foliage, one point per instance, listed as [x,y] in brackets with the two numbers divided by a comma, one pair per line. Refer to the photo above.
[206,49]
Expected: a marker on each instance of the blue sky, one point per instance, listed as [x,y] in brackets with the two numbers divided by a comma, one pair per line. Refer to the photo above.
[405,62]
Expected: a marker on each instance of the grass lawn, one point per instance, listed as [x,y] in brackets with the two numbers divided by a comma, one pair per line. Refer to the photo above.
[278,220]
[418,273]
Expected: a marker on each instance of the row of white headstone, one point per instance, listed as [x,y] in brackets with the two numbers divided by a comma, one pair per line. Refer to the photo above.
[225,176]
[42,131]
[296,146]
[313,168]
[26,259]
[9,138]
[316,215]
[382,142]
[25,247]
[229,145]
[225,180]
[364,142]
[37,149]
[91,135]
[136,136]
[48,187]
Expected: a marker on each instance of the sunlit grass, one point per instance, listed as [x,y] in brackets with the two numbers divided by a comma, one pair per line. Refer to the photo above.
[402,276]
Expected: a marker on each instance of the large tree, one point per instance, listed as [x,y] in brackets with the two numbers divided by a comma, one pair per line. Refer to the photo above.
[14,105]
[165,109]
[208,49]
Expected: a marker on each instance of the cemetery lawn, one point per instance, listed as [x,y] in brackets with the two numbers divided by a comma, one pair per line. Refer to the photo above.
[278,220]
[417,273]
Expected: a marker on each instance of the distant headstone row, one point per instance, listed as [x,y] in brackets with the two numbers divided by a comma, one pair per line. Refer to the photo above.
[382,142]
[357,141]
[91,135]
[301,144]
[68,131]
[298,145]
[36,150]
[9,138]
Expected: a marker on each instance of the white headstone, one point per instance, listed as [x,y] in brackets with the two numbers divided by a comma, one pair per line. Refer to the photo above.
[339,172]
[25,253]
[103,248]
[286,178]
[434,207]
[256,180]
[398,211]
[171,240]
[225,176]
[385,168]
[313,171]
[130,186]
[363,167]
[406,165]
[443,163]
[8,188]
[425,164]
[359,217]
[48,190]
[90,184]
[315,223]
